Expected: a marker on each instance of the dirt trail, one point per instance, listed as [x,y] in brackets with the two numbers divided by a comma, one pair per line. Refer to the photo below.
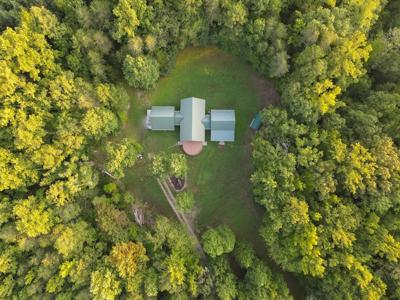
[181,217]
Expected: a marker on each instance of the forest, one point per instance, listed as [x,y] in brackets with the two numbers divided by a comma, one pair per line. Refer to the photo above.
[325,163]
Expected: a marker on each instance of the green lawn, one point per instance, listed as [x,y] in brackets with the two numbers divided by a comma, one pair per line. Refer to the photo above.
[219,177]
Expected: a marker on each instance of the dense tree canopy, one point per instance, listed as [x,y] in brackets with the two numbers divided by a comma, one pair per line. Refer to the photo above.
[330,186]
[326,162]
[121,156]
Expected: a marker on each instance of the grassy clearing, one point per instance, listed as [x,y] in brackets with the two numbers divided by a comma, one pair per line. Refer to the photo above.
[219,177]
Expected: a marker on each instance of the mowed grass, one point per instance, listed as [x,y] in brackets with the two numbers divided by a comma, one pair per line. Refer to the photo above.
[219,177]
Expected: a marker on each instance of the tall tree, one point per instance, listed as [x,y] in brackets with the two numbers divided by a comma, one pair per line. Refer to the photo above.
[141,72]
[218,241]
[120,156]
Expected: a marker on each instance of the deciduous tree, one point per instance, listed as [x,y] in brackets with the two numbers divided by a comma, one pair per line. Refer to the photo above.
[141,72]
[120,156]
[218,241]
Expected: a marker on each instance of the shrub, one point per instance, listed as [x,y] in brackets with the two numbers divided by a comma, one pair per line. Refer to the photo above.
[185,201]
[178,165]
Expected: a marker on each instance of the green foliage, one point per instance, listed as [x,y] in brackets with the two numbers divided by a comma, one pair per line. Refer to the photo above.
[120,156]
[33,218]
[185,201]
[329,55]
[25,51]
[261,283]
[99,122]
[151,283]
[6,286]
[244,254]
[128,15]
[15,171]
[104,285]
[297,167]
[111,220]
[327,164]
[178,165]
[159,165]
[128,258]
[225,279]
[178,266]
[141,72]
[218,241]
[7,261]
[174,164]
[71,239]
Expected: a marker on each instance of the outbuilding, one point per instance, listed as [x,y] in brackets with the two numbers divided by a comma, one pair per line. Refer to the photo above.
[256,122]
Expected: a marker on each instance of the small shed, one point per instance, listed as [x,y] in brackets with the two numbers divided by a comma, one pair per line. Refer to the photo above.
[223,125]
[256,122]
[162,118]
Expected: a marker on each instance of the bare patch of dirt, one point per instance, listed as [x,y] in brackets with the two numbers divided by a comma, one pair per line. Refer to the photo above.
[266,90]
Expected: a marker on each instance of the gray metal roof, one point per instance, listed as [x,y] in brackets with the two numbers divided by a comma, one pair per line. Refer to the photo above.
[162,118]
[223,125]
[193,111]
[193,121]
[178,118]
[222,135]
[207,122]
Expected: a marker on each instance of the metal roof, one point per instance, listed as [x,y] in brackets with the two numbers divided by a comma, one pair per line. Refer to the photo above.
[207,122]
[193,111]
[256,122]
[222,135]
[223,125]
[193,121]
[162,118]
[178,118]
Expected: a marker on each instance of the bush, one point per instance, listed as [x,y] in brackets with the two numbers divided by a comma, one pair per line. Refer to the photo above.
[185,201]
[159,165]
[178,165]
[173,165]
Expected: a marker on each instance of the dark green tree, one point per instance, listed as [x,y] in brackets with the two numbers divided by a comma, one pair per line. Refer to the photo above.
[141,72]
